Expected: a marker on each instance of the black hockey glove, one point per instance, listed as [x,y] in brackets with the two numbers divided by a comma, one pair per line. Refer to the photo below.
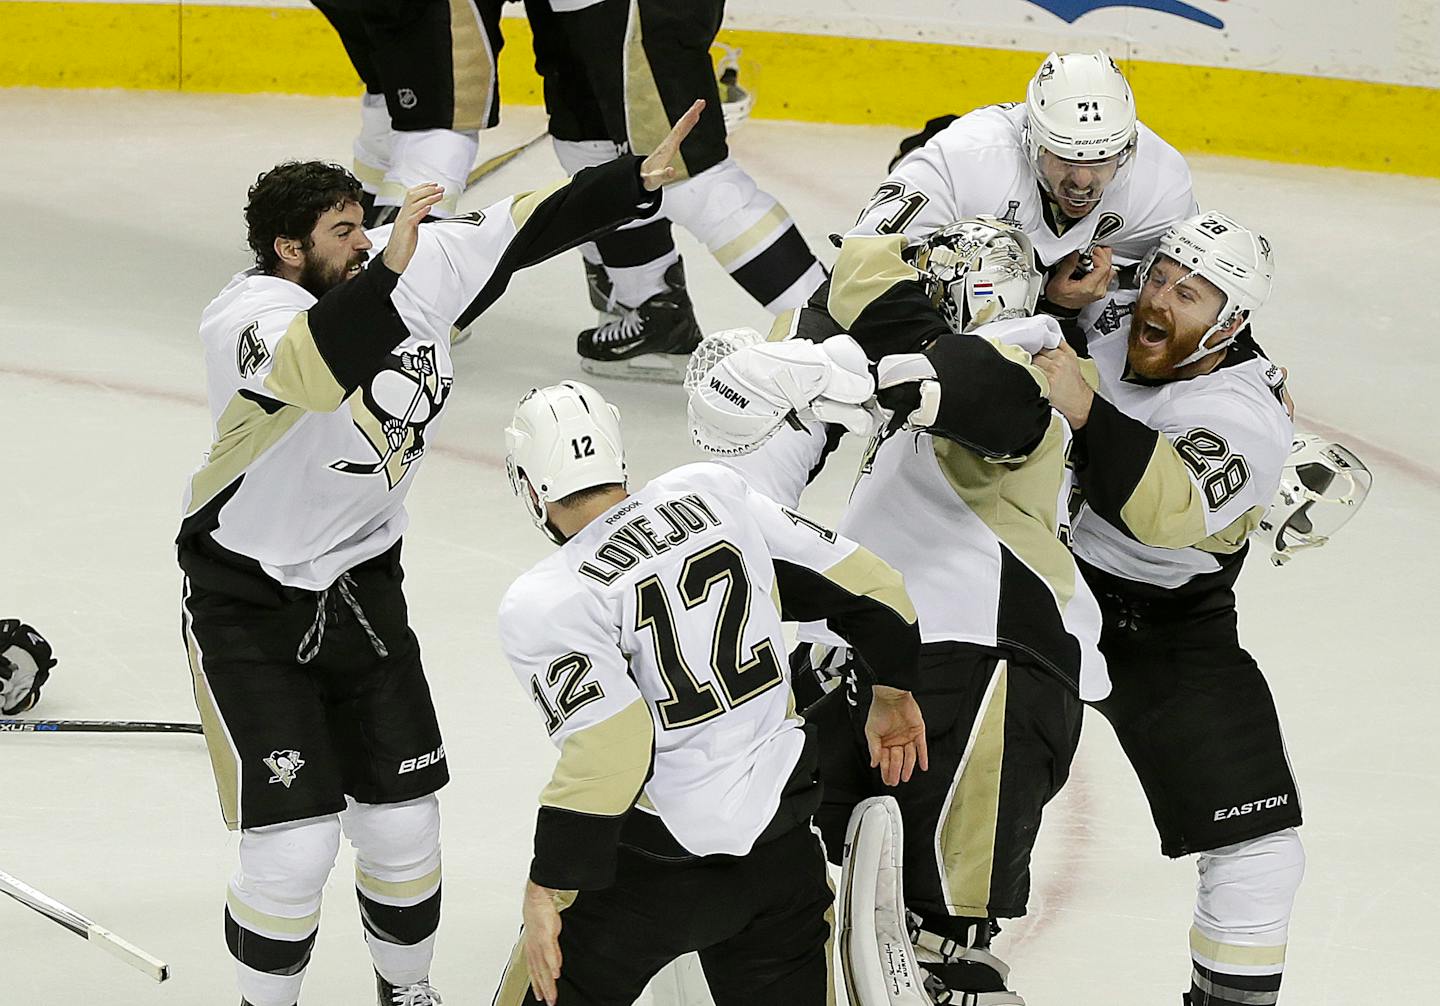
[25,662]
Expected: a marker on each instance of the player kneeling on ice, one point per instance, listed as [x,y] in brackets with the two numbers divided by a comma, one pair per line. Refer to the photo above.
[1178,453]
[677,819]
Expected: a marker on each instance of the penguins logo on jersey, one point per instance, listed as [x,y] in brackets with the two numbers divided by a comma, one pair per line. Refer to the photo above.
[284,765]
[393,410]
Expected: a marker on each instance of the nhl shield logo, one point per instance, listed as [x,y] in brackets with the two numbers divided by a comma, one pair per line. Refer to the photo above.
[284,765]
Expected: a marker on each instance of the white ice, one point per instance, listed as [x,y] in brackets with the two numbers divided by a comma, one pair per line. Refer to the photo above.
[120,216]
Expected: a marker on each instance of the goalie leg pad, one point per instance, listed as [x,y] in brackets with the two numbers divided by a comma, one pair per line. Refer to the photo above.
[876,957]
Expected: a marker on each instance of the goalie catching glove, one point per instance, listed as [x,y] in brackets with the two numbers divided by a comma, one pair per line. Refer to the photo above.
[25,662]
[742,388]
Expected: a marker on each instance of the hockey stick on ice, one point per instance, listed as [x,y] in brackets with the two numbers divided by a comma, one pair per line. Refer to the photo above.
[83,927]
[500,160]
[98,727]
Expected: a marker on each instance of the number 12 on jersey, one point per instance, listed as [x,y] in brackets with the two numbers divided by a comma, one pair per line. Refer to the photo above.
[691,700]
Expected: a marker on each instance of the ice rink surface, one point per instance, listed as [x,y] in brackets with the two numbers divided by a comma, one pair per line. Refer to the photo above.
[122,217]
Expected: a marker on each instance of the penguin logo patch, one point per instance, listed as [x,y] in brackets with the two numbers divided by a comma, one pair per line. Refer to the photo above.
[393,410]
[284,765]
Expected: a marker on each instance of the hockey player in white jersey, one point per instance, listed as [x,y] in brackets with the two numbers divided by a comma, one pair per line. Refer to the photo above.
[1178,454]
[965,493]
[327,379]
[677,818]
[1070,166]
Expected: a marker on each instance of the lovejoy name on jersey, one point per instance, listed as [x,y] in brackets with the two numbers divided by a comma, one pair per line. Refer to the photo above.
[636,539]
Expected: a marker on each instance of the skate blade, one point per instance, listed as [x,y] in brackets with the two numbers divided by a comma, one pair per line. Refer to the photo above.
[657,368]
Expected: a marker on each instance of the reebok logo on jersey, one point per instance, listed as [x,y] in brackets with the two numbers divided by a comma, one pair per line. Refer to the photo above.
[424,761]
[1267,803]
[729,393]
[284,765]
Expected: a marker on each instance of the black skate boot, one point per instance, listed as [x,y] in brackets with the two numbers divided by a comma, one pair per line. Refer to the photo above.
[650,342]
[421,993]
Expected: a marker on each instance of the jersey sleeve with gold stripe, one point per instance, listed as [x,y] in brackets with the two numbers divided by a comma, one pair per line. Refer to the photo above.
[978,165]
[1175,475]
[651,644]
[323,410]
[564,649]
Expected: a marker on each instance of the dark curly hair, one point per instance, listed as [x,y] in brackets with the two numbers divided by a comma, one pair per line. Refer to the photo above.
[287,200]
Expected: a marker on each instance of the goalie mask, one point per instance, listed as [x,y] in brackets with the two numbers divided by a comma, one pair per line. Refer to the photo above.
[979,270]
[1321,487]
[562,439]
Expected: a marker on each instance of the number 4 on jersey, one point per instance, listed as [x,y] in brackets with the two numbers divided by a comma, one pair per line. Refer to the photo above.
[251,352]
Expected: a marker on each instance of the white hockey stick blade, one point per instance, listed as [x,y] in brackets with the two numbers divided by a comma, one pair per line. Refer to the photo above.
[876,958]
[83,927]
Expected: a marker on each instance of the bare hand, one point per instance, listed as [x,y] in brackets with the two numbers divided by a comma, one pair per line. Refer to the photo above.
[656,170]
[405,232]
[542,941]
[1069,393]
[1063,291]
[895,732]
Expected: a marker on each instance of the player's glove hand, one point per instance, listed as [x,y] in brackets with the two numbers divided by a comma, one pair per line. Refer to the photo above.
[909,389]
[740,401]
[25,662]
[1034,335]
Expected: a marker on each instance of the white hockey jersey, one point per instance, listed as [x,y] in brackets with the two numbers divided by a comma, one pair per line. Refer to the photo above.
[310,459]
[1177,474]
[979,165]
[981,540]
[651,644]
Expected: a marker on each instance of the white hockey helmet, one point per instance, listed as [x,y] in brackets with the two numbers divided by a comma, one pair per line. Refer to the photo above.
[1080,108]
[980,270]
[1237,260]
[562,439]
[1321,487]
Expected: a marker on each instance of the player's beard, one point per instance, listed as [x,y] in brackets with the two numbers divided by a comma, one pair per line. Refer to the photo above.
[1155,353]
[320,276]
